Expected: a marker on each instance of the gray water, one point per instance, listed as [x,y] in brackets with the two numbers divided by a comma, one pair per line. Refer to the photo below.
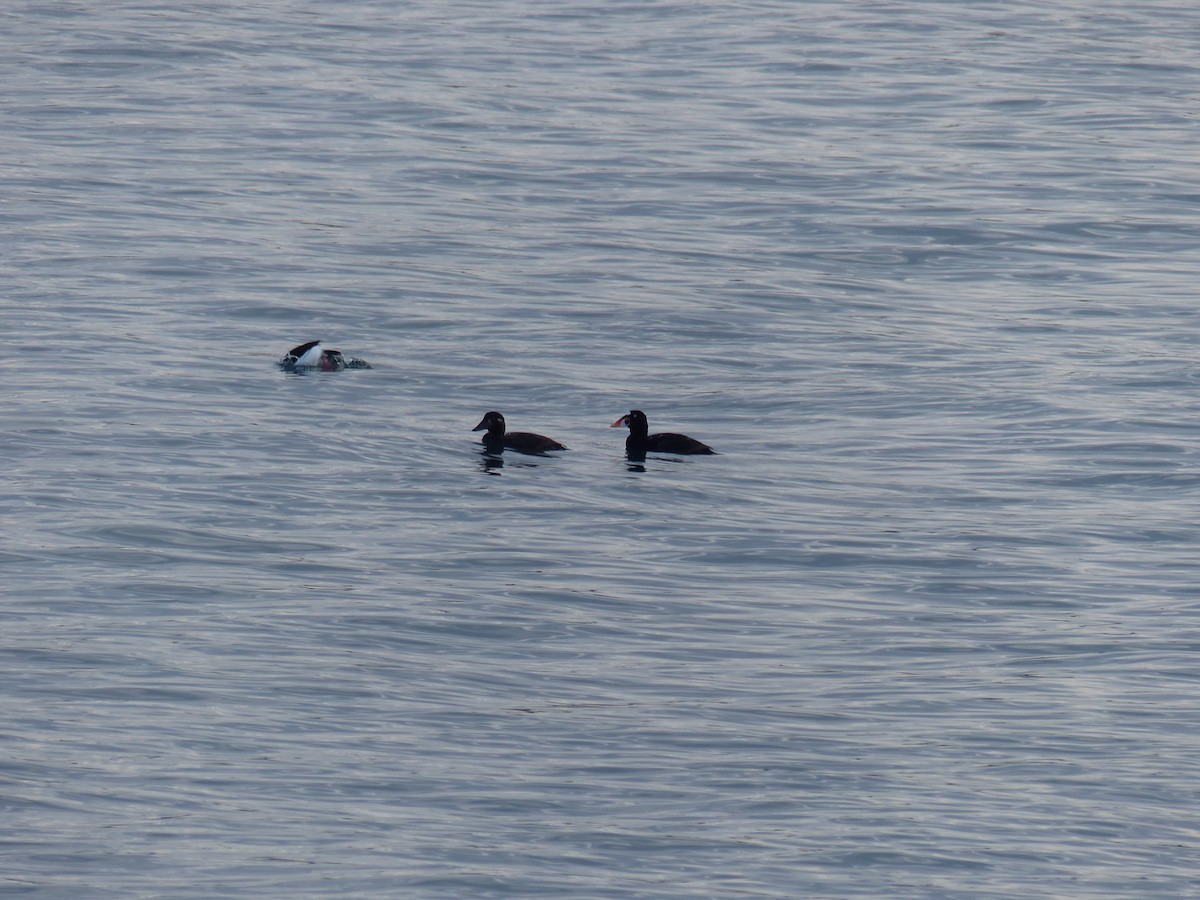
[922,272]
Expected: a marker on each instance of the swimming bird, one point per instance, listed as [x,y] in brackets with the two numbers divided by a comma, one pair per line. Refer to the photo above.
[315,355]
[639,442]
[497,439]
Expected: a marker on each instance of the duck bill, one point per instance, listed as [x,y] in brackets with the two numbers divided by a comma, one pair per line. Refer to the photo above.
[482,426]
[620,423]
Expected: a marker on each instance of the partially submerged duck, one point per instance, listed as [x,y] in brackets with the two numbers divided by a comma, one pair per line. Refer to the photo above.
[640,441]
[498,439]
[315,355]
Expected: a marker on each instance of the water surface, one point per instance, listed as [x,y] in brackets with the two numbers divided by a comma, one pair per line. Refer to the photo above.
[923,273]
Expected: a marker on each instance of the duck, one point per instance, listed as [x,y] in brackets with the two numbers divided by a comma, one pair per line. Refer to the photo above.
[315,355]
[497,439]
[640,442]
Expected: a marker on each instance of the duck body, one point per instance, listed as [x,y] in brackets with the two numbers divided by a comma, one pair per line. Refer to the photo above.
[640,441]
[315,355]
[498,438]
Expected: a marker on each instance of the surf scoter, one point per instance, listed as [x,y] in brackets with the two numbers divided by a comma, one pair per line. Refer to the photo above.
[497,439]
[315,355]
[639,443]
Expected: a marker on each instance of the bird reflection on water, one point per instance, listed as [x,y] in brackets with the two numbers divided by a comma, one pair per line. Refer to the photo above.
[490,463]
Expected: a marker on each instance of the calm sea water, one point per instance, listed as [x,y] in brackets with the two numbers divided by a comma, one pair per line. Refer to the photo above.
[924,274]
